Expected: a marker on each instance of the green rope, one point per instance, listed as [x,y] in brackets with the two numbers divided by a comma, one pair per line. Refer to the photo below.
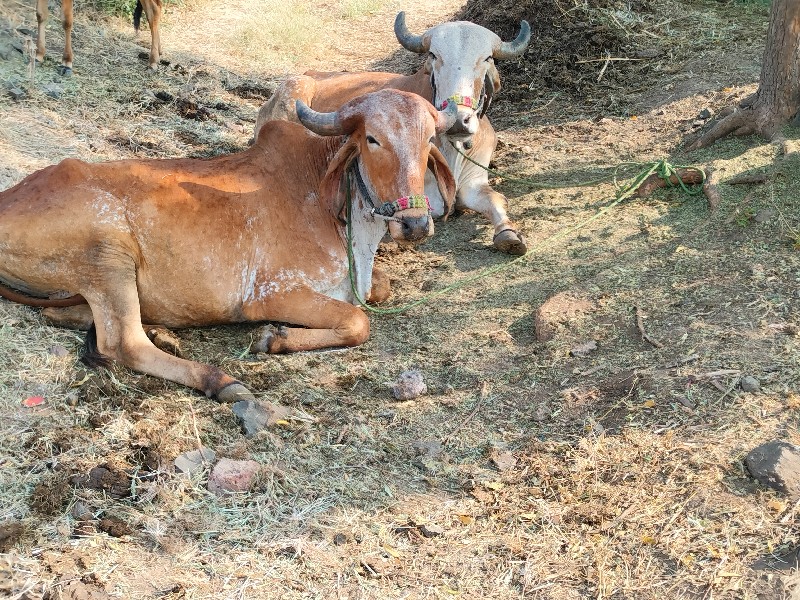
[664,170]
[531,182]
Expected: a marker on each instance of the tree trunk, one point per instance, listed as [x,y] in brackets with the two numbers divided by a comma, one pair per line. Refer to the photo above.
[777,100]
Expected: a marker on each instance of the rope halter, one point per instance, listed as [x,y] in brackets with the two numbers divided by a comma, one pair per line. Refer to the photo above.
[387,209]
[414,201]
[458,100]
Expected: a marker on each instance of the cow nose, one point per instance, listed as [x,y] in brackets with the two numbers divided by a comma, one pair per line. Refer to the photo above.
[414,228]
[466,123]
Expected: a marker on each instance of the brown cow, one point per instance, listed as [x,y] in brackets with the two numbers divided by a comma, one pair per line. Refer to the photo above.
[459,69]
[253,236]
[152,8]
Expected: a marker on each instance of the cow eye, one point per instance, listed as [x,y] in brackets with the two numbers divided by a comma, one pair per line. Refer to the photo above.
[372,140]
[432,55]
[488,59]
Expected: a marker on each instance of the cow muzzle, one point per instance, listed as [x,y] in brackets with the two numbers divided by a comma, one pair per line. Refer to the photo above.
[467,119]
[410,216]
[466,124]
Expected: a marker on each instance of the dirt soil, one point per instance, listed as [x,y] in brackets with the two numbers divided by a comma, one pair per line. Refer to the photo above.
[584,429]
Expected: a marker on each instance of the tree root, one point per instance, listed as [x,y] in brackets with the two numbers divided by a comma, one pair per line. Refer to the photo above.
[654,182]
[739,122]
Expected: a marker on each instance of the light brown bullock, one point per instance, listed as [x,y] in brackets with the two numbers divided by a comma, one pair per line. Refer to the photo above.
[459,69]
[253,236]
[152,8]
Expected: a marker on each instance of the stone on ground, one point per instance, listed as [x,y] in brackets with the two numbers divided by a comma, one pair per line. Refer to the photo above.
[776,464]
[230,476]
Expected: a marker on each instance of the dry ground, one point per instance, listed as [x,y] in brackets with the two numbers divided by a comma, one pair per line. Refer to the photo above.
[616,474]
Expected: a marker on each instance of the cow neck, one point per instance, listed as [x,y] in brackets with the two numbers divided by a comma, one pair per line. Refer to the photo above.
[363,232]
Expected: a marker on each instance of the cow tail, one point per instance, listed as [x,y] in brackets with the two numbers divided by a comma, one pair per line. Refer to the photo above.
[14,296]
[91,355]
[137,15]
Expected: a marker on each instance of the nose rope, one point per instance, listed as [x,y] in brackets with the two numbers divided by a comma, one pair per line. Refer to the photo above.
[386,210]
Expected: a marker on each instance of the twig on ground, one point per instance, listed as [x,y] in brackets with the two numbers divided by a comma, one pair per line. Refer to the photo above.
[605,66]
[642,332]
[682,361]
[711,190]
[196,430]
[748,178]
[484,393]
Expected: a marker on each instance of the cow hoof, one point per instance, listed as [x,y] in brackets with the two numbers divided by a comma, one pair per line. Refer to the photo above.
[256,416]
[234,392]
[510,242]
[381,287]
[164,340]
[65,71]
[269,340]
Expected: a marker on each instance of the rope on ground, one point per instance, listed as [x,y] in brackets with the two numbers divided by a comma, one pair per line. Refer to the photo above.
[661,167]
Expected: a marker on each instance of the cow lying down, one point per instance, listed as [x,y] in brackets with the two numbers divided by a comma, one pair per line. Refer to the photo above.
[253,236]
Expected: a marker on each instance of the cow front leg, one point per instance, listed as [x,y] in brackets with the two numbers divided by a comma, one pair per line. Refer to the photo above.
[492,205]
[381,287]
[328,323]
[114,301]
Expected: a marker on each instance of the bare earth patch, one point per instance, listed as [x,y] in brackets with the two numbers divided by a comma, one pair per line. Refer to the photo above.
[589,462]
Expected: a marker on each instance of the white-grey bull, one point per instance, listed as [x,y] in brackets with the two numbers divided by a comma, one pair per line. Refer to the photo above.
[459,68]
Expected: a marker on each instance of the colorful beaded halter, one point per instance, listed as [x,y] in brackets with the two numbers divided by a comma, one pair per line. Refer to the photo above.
[458,100]
[388,209]
[414,201]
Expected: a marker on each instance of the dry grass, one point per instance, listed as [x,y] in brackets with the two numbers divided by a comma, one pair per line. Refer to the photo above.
[628,480]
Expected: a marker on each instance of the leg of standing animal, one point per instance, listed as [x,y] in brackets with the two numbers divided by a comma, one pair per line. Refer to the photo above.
[152,8]
[331,323]
[66,22]
[41,18]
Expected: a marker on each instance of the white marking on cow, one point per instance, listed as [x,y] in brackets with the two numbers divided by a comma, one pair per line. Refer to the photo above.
[108,210]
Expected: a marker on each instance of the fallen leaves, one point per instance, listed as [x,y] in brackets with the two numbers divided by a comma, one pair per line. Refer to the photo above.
[33,401]
[504,460]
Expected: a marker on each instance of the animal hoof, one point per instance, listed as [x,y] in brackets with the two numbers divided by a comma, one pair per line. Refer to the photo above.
[269,340]
[65,71]
[235,392]
[256,416]
[164,340]
[510,242]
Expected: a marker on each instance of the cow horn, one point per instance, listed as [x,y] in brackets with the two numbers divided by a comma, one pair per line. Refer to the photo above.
[321,123]
[447,117]
[409,41]
[514,49]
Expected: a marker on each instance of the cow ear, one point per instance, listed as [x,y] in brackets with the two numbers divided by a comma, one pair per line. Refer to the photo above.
[492,79]
[444,179]
[331,185]
[428,66]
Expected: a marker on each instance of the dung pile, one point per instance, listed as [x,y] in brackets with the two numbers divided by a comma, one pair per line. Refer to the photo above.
[590,50]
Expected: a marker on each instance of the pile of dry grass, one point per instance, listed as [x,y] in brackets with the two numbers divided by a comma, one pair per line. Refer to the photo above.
[572,42]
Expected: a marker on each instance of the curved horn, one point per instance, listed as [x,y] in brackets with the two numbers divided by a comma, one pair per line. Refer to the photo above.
[320,123]
[447,117]
[514,49]
[409,41]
